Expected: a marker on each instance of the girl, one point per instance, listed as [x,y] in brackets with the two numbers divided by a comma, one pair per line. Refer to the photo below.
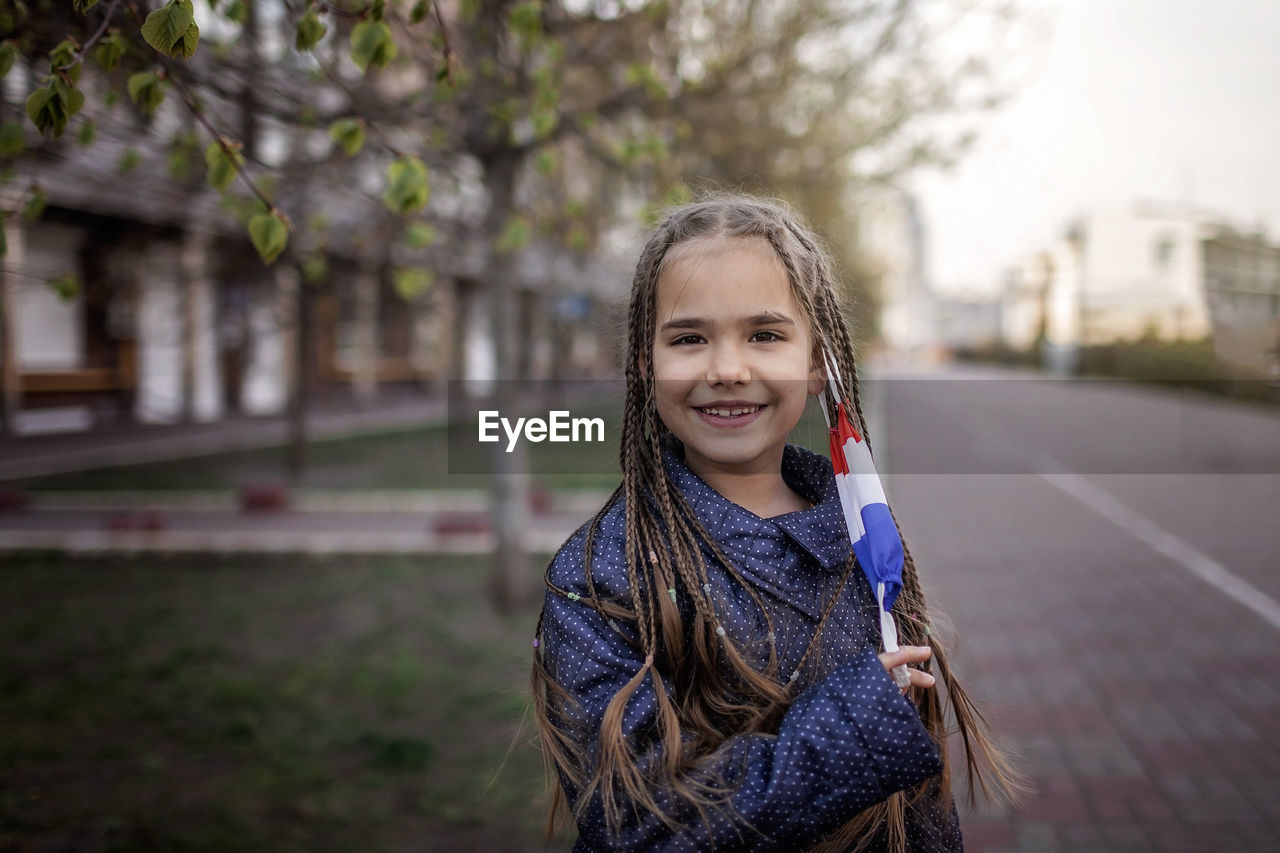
[706,674]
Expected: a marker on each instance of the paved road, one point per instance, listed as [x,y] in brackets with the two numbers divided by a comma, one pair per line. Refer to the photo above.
[1110,559]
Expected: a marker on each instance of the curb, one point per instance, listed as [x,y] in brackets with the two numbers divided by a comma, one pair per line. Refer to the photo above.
[126,542]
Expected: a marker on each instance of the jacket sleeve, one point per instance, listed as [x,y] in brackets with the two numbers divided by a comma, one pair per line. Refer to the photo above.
[847,743]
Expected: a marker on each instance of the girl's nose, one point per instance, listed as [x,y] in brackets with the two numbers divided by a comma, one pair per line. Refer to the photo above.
[728,366]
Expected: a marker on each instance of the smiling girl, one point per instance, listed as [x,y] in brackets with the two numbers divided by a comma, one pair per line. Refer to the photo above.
[706,673]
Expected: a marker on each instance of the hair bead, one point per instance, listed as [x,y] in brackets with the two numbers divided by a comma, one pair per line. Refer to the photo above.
[720,630]
[572,596]
[672,593]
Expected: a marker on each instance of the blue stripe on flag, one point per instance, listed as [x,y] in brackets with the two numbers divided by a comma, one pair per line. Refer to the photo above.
[879,552]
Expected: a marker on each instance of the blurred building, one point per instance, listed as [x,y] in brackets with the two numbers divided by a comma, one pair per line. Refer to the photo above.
[971,324]
[894,237]
[1242,283]
[1151,272]
[137,296]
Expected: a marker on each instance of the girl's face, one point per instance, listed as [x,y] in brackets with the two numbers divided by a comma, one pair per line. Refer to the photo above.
[731,357]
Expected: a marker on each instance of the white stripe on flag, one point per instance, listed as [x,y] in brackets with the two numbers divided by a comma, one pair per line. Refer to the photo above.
[866,483]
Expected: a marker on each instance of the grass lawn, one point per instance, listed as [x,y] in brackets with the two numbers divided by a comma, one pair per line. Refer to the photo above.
[263,704]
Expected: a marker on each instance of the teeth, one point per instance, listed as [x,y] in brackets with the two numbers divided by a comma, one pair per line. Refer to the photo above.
[727,413]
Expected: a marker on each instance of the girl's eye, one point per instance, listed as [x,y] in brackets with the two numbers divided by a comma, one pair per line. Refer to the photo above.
[687,339]
[766,336]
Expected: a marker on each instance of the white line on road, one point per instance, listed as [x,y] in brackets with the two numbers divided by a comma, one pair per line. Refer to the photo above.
[1181,552]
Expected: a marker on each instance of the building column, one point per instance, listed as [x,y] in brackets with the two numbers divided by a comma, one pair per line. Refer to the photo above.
[159,396]
[264,391]
[287,282]
[200,379]
[364,376]
[434,321]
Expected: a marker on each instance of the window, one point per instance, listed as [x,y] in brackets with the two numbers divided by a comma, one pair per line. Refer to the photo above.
[1163,252]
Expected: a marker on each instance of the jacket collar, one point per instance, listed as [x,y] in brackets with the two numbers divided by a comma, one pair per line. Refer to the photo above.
[819,530]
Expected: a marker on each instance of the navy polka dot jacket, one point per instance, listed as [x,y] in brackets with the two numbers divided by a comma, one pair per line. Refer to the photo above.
[850,739]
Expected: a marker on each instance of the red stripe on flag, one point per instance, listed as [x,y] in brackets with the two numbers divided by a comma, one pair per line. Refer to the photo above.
[838,460]
[846,428]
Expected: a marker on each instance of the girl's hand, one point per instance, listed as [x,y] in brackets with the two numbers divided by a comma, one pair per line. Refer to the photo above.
[908,655]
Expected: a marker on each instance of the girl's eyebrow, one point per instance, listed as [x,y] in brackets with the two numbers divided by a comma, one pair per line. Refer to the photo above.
[764,318]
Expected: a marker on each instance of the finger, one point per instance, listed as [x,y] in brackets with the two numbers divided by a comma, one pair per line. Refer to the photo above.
[920,679]
[906,654]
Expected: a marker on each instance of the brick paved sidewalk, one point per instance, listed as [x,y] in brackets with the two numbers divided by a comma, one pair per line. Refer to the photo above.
[1145,705]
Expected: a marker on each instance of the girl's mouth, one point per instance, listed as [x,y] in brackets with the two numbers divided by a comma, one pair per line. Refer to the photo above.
[726,416]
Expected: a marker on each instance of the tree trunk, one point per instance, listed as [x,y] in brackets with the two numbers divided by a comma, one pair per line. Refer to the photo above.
[510,578]
[10,392]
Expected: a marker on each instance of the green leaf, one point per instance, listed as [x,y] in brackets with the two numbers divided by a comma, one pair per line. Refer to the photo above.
[47,109]
[419,12]
[75,102]
[63,56]
[408,190]
[349,133]
[11,139]
[183,156]
[269,235]
[88,130]
[128,161]
[146,90]
[678,193]
[222,166]
[83,6]
[546,162]
[526,20]
[166,28]
[410,283]
[645,76]
[109,51]
[372,45]
[237,12]
[515,236]
[544,122]
[419,235]
[32,210]
[315,269]
[66,287]
[8,53]
[190,41]
[310,30]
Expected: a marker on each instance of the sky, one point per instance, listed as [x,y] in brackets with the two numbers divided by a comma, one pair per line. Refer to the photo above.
[1119,101]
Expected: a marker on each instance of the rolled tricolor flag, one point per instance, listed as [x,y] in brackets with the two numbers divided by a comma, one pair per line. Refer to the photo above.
[872,531]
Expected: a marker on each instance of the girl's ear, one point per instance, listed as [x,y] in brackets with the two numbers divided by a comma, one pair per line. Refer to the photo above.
[817,372]
[817,379]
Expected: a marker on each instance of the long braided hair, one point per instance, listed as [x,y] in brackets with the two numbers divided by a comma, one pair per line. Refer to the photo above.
[717,692]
